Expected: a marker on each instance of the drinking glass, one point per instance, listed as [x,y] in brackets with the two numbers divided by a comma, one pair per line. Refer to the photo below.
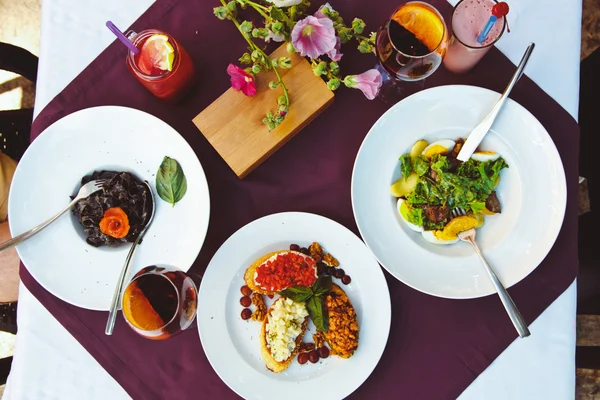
[159,302]
[166,85]
[468,20]
[410,47]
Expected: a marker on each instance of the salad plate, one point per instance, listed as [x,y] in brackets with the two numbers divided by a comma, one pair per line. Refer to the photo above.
[531,192]
[95,139]
[233,344]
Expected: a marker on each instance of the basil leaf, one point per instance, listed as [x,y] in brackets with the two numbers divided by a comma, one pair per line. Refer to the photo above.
[322,285]
[171,183]
[318,313]
[297,293]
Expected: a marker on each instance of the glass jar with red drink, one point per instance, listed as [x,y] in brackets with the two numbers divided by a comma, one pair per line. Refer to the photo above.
[162,66]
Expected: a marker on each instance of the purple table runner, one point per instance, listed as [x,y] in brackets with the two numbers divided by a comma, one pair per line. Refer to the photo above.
[437,347]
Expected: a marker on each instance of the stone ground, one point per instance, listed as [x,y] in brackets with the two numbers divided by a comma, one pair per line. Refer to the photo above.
[20,25]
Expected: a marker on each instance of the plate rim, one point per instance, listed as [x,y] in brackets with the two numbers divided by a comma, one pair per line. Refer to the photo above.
[555,154]
[387,307]
[47,132]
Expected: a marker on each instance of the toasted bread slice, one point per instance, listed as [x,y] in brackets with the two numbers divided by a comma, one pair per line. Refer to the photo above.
[342,335]
[251,270]
[266,351]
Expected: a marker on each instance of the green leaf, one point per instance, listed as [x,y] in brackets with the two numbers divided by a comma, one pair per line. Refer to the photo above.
[318,313]
[246,26]
[333,84]
[345,34]
[477,206]
[277,14]
[372,38]
[285,62]
[220,12]
[406,164]
[365,47]
[290,48]
[415,216]
[421,165]
[277,27]
[358,25]
[322,285]
[171,183]
[245,58]
[297,293]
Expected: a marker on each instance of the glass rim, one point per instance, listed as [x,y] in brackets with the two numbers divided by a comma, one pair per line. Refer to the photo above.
[176,293]
[479,47]
[435,10]
[142,34]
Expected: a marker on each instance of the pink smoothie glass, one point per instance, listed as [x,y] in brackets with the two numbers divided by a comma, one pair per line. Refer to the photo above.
[468,20]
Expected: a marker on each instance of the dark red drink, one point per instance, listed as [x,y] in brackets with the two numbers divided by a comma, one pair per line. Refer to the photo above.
[160,302]
[163,66]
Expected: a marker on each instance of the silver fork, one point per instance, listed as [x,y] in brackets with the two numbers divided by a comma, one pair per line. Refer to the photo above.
[85,191]
[514,314]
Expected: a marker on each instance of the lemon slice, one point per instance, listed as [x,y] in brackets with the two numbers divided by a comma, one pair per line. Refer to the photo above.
[158,52]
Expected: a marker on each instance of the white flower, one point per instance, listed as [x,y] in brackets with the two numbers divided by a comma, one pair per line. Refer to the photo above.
[284,3]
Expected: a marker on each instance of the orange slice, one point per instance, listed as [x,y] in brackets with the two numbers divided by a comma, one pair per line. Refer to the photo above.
[138,310]
[422,22]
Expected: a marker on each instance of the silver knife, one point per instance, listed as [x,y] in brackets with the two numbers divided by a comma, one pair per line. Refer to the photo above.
[477,134]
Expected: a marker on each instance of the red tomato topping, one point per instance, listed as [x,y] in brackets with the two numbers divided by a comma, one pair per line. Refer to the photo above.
[286,270]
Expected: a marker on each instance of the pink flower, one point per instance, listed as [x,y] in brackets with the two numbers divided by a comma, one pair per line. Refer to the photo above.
[335,54]
[369,82]
[241,80]
[313,36]
[319,13]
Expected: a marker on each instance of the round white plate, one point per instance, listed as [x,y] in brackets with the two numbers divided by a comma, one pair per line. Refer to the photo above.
[232,344]
[112,138]
[532,193]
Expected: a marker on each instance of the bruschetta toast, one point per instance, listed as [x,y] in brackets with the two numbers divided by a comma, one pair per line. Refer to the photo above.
[282,332]
[280,270]
[342,335]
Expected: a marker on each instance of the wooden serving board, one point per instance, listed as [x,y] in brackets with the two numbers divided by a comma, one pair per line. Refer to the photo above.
[233,122]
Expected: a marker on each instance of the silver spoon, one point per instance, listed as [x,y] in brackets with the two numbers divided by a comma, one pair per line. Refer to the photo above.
[85,191]
[114,305]
[479,132]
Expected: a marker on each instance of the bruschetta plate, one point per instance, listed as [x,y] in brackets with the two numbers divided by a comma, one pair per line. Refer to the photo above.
[235,347]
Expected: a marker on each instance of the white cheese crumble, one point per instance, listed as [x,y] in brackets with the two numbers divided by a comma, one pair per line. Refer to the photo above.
[284,325]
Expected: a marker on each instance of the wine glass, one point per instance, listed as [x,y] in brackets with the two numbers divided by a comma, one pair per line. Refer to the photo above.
[160,301]
[410,47]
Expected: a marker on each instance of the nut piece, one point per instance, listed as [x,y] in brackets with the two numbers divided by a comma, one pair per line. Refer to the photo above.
[261,308]
[319,339]
[316,251]
[330,260]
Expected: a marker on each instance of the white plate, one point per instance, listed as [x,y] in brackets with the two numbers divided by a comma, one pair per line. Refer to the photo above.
[532,193]
[113,138]
[232,344]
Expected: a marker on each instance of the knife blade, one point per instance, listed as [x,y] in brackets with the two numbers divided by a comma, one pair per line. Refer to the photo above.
[479,132]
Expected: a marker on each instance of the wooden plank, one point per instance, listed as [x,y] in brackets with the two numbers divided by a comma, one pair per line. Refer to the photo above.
[233,122]
[588,384]
[588,330]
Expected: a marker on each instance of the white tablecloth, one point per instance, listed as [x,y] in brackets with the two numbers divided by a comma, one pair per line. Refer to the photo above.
[50,364]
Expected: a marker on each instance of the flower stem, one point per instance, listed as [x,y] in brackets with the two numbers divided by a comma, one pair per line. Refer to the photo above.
[253,46]
[258,7]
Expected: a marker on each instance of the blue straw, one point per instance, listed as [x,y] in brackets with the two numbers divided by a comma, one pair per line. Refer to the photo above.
[486,30]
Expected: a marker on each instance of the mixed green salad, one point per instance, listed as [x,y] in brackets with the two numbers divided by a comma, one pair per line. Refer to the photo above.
[434,183]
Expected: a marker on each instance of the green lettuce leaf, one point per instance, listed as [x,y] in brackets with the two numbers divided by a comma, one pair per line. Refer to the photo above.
[406,164]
